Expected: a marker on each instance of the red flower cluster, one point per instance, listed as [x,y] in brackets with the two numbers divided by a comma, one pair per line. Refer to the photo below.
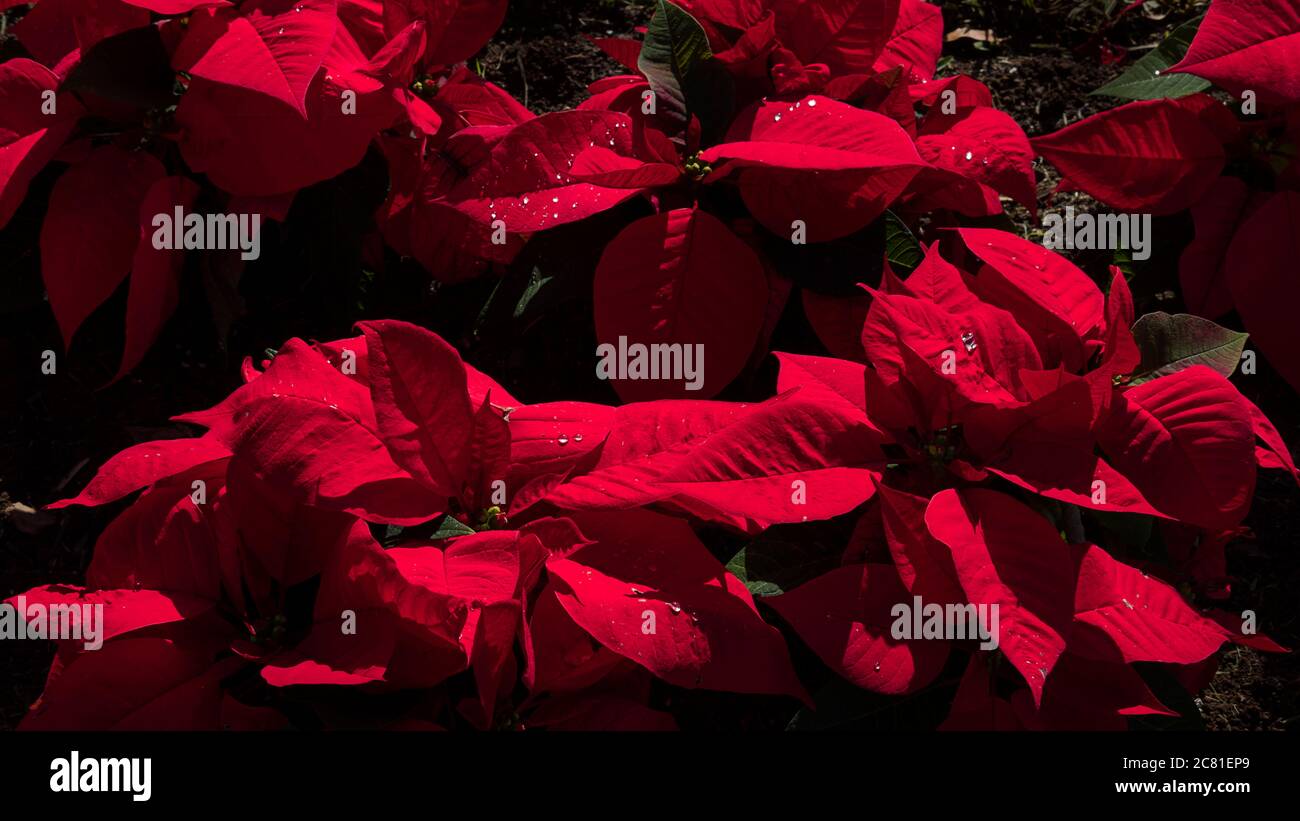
[1235,167]
[756,125]
[549,551]
[372,532]
[793,117]
[262,97]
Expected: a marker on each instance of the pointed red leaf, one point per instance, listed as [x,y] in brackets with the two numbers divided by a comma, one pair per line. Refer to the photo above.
[137,684]
[790,460]
[983,145]
[980,353]
[92,229]
[1249,44]
[29,138]
[656,596]
[155,273]
[683,279]
[272,47]
[252,145]
[124,611]
[1186,441]
[143,465]
[924,563]
[839,381]
[916,41]
[1202,267]
[827,164]
[308,430]
[1153,156]
[1273,453]
[1008,555]
[846,617]
[1086,694]
[644,442]
[418,387]
[457,28]
[1056,302]
[1145,618]
[1261,279]
[846,35]
[524,180]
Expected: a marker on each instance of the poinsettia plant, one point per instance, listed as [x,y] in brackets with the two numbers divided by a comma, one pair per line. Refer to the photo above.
[190,109]
[374,515]
[371,532]
[754,147]
[1231,160]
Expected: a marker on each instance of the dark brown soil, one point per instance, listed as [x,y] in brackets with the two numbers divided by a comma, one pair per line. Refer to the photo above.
[543,56]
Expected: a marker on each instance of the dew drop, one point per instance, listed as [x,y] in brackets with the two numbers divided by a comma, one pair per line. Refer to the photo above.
[968,340]
[563,440]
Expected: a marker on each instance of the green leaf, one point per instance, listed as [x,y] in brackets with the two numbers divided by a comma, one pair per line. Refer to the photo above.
[536,282]
[449,527]
[1146,79]
[391,536]
[489,306]
[901,246]
[675,47]
[1122,258]
[1171,343]
[784,557]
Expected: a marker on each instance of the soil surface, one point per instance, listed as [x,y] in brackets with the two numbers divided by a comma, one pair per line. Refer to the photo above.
[55,432]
